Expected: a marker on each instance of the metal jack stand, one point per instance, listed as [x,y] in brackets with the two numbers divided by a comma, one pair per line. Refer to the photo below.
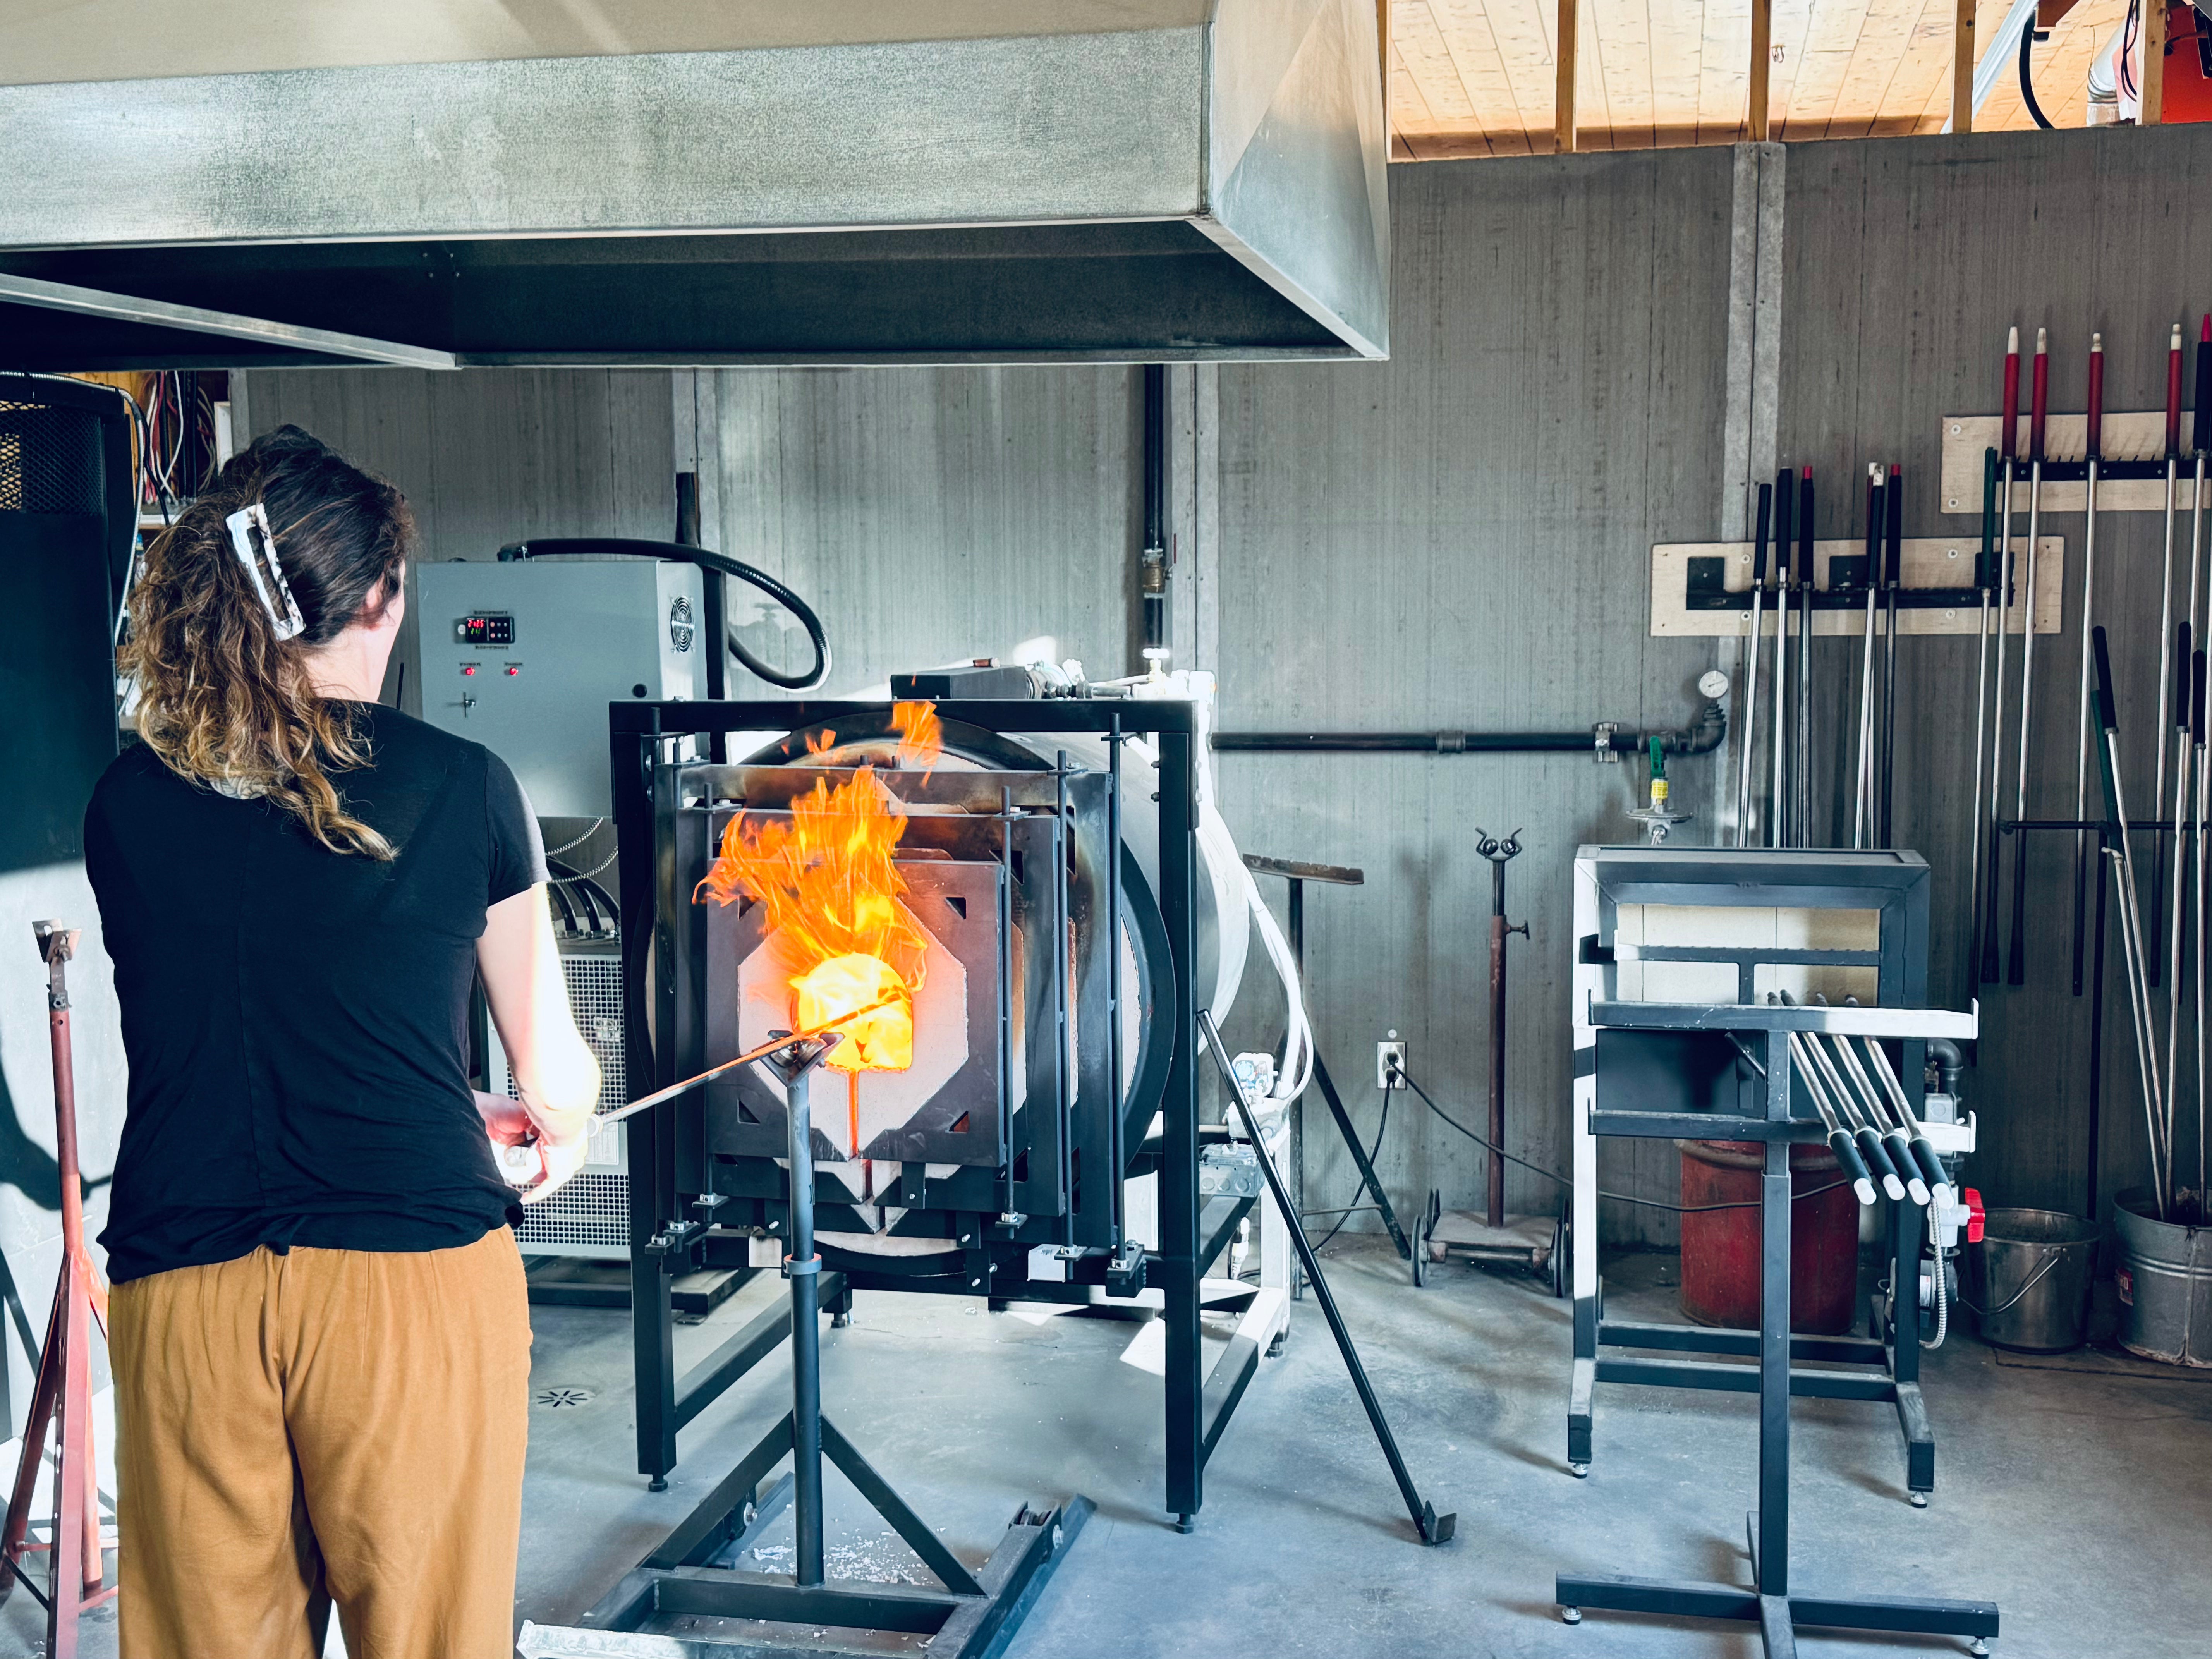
[1533,1241]
[1298,875]
[1769,1600]
[1433,1529]
[61,1398]
[972,1616]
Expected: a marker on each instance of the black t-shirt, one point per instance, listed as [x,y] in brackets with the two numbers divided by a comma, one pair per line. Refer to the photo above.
[296,1019]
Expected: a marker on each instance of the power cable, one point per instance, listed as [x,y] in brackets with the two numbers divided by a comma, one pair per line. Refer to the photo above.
[1618,1198]
[1382,1124]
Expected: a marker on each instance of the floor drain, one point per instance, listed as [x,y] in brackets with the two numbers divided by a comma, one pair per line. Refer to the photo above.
[555,1399]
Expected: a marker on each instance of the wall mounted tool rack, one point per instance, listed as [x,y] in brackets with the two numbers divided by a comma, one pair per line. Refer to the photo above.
[1768,1601]
[1701,1088]
[1702,589]
[2131,475]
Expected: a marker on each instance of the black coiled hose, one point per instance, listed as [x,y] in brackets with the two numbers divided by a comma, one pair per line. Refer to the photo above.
[679,552]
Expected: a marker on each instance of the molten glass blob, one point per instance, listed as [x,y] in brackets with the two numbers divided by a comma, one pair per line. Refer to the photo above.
[880,1040]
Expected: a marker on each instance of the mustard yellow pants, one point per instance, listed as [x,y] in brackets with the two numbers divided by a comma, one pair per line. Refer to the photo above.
[320,1426]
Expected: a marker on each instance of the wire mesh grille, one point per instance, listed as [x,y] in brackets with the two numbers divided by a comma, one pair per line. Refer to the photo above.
[591,1215]
[51,459]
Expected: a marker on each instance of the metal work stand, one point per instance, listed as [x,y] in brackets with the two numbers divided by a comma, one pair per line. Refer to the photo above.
[971,1616]
[1297,875]
[1633,1058]
[1769,1599]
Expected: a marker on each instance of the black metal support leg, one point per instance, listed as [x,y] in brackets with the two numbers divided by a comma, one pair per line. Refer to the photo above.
[969,1617]
[1369,1180]
[1433,1529]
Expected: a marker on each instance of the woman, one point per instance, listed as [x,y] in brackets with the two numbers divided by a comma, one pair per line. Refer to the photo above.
[321,1333]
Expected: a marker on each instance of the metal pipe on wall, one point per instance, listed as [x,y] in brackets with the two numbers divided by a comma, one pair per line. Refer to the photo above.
[1152,559]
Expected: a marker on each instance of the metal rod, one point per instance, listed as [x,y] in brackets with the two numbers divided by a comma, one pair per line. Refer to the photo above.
[1983,576]
[2130,921]
[2096,451]
[2197,846]
[1893,576]
[1777,816]
[2165,628]
[804,1267]
[2008,440]
[2016,970]
[1807,574]
[1748,737]
[2181,662]
[658,1096]
[1862,781]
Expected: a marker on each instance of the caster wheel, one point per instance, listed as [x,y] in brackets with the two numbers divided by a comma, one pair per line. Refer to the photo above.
[1919,1500]
[1580,1471]
[1570,1615]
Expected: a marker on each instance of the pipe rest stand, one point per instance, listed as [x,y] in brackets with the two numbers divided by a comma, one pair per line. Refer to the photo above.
[1769,1599]
[972,1615]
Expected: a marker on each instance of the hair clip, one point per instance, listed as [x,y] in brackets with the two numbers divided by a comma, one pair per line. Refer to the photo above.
[243,523]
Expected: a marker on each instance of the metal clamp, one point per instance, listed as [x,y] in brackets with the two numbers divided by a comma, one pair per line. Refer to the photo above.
[1602,736]
[793,1269]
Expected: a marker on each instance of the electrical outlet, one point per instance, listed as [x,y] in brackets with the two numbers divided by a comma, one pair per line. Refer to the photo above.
[1388,1054]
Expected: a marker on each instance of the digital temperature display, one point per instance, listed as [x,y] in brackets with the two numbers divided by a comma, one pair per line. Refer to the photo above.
[486,628]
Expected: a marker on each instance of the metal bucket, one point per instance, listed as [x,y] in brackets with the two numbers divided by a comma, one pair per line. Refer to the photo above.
[2165,1284]
[2031,1275]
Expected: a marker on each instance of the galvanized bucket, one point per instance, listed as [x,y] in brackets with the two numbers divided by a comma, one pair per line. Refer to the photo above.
[2165,1284]
[2030,1276]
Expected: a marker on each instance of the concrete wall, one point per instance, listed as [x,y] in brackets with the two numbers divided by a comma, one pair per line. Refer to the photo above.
[1906,263]
[1456,538]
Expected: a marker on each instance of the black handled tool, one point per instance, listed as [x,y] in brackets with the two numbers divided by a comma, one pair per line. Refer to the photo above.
[1983,578]
[1779,825]
[1750,734]
[1893,578]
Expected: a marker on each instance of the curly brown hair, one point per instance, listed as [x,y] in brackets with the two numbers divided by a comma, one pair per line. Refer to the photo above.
[222,701]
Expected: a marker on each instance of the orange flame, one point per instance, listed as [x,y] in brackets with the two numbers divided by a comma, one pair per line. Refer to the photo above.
[921,739]
[831,893]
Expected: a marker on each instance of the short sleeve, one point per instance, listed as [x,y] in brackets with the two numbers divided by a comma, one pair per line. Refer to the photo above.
[516,861]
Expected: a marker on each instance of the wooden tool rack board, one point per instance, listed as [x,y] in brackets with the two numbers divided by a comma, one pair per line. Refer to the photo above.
[2133,444]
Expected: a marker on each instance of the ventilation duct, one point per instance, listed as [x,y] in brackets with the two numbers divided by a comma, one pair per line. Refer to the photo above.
[1007,181]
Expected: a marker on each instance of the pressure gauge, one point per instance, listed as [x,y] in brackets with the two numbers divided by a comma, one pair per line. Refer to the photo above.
[1713,684]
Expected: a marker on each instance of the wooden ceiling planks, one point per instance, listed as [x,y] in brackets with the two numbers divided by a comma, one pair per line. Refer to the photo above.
[1472,77]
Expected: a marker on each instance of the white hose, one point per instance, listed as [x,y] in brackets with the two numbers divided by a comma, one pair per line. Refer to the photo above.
[1297,1045]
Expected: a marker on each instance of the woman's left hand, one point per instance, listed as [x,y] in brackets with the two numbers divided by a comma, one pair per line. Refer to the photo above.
[525,1151]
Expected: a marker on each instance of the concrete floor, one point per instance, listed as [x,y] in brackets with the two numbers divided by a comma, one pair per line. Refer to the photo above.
[2077,1502]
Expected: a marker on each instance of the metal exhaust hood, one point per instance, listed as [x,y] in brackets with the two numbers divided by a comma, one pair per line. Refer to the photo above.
[679,182]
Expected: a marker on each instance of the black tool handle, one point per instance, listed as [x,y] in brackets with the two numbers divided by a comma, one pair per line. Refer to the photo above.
[1893,569]
[1908,1166]
[2203,433]
[1785,502]
[2105,717]
[1853,1165]
[1986,574]
[2181,660]
[1931,1165]
[1759,541]
[1805,529]
[1874,476]
[2196,700]
[1877,1161]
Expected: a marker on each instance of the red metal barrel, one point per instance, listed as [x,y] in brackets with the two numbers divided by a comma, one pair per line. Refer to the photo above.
[1720,1247]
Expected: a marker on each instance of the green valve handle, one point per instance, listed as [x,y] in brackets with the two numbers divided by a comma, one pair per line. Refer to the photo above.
[1658,774]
